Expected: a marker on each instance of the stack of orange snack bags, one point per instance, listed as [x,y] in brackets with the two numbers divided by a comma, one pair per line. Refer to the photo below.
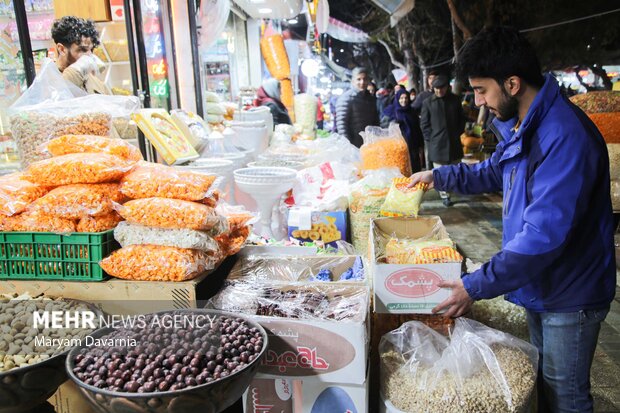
[73,191]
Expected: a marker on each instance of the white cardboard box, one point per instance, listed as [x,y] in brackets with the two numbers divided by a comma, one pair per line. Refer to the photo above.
[283,395]
[330,351]
[407,288]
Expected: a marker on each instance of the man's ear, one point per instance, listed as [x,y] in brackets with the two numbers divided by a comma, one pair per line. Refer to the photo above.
[513,85]
[61,49]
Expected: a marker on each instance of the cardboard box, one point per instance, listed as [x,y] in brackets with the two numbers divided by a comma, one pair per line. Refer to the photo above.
[306,225]
[408,288]
[69,399]
[283,395]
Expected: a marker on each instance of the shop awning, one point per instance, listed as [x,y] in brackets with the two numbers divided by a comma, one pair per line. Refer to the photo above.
[397,9]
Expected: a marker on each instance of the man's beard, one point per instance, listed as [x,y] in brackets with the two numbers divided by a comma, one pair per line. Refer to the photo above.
[508,108]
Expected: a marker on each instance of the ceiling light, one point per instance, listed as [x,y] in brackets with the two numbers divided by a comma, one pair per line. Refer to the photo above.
[257,1]
[293,21]
[341,50]
[265,10]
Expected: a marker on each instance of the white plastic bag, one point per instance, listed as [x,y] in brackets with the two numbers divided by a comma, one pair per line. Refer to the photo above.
[476,369]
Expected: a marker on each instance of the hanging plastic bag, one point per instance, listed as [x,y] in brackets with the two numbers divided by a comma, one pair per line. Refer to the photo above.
[384,148]
[476,369]
[275,56]
[213,17]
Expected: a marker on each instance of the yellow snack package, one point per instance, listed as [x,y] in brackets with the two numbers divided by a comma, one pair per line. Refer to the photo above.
[401,200]
[406,251]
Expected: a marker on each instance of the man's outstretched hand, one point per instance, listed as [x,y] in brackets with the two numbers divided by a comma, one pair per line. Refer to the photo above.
[424,177]
[459,301]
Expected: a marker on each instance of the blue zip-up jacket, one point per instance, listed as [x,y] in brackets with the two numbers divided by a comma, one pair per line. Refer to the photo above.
[558,248]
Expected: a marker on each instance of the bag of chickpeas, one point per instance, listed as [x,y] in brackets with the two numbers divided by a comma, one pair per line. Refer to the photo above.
[474,369]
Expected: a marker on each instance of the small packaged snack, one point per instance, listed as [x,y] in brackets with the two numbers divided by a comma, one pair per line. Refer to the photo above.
[169,213]
[78,168]
[402,200]
[421,251]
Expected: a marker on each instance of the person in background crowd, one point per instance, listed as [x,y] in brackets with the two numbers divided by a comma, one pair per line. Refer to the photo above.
[381,100]
[442,123]
[372,88]
[558,258]
[333,100]
[425,94]
[269,95]
[75,38]
[409,127]
[320,112]
[356,108]
[413,93]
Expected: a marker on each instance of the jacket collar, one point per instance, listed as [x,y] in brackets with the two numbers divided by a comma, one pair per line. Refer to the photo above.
[540,106]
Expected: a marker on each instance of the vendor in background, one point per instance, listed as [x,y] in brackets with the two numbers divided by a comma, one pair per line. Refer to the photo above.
[269,95]
[557,258]
[320,112]
[75,39]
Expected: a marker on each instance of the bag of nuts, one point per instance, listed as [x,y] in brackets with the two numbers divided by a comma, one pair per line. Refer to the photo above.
[475,369]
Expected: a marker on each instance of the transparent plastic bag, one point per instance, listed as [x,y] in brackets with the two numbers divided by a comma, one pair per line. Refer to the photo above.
[132,234]
[169,213]
[286,269]
[148,180]
[231,242]
[318,301]
[78,168]
[365,201]
[79,200]
[34,221]
[196,129]
[157,263]
[236,215]
[100,223]
[384,148]
[67,144]
[476,369]
[403,201]
[34,123]
[335,148]
[275,56]
[17,193]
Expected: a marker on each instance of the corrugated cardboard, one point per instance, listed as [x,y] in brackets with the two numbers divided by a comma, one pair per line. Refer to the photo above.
[284,395]
[407,288]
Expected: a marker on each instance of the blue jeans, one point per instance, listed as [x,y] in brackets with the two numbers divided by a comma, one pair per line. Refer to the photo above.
[566,344]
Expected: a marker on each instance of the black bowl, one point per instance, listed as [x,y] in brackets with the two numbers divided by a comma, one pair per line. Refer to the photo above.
[24,388]
[210,397]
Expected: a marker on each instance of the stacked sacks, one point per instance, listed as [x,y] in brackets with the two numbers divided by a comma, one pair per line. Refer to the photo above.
[173,231]
[84,173]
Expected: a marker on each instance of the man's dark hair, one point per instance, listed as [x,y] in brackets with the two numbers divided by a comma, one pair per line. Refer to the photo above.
[69,30]
[373,84]
[498,53]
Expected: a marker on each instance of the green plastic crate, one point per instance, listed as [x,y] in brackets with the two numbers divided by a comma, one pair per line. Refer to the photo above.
[49,256]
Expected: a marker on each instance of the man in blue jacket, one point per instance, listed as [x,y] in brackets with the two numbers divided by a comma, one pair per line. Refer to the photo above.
[558,258]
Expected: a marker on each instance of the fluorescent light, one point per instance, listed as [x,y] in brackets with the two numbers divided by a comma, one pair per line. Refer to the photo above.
[293,21]
[265,10]
[257,1]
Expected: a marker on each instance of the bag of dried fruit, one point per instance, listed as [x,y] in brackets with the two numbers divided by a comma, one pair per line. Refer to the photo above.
[475,369]
[384,148]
